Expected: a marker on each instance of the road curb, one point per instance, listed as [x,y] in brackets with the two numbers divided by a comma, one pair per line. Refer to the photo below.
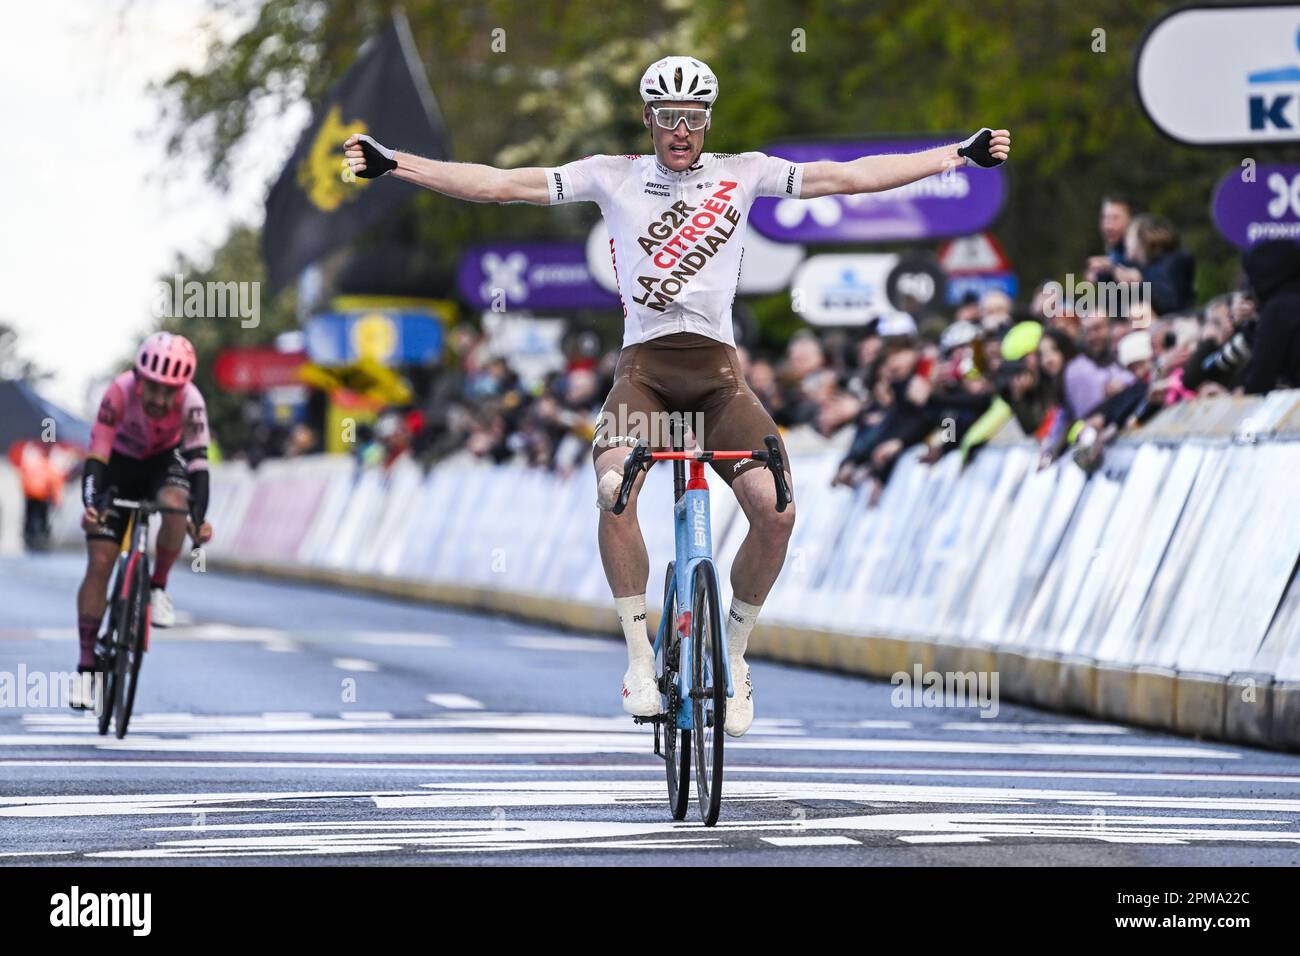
[1248,709]
[1199,705]
[1285,729]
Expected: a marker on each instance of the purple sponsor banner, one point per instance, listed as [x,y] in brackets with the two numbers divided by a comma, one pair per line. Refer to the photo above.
[530,275]
[1268,207]
[967,200]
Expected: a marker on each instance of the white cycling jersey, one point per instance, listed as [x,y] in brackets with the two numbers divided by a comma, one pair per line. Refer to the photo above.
[676,237]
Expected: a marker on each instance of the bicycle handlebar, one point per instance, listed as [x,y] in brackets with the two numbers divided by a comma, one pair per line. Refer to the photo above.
[641,458]
[109,499]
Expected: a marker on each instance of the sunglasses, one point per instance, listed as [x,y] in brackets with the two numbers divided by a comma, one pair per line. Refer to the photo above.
[669,117]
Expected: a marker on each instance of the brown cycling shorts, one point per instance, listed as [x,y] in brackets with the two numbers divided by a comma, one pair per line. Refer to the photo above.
[684,379]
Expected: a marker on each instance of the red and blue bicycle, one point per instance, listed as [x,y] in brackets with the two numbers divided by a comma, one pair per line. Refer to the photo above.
[690,643]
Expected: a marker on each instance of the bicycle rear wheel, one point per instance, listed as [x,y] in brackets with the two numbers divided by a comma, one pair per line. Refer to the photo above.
[138,618]
[677,760]
[708,690]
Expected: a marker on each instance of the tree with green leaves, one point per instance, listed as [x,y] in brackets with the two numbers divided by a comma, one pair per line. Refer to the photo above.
[546,82]
[237,260]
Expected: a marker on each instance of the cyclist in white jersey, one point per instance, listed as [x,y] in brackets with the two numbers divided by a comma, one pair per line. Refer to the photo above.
[677,222]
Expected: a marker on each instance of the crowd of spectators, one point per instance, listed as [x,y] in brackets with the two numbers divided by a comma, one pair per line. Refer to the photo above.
[1069,375]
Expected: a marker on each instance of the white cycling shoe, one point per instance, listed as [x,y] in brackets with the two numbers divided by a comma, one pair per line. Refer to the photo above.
[740,708]
[641,691]
[161,612]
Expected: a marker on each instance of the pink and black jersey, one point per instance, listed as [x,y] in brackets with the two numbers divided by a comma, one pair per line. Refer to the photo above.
[122,425]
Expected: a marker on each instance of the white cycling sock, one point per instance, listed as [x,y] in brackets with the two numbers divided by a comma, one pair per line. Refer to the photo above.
[631,615]
[740,621]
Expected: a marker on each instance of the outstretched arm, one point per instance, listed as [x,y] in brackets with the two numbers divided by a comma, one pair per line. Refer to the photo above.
[471,181]
[872,174]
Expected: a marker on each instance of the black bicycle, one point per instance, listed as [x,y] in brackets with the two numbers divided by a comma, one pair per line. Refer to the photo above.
[125,640]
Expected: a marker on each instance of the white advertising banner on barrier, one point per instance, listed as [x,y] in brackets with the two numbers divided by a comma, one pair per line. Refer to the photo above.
[1179,557]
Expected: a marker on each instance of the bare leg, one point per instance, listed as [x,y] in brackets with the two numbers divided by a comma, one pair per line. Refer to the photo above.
[92,596]
[762,553]
[172,533]
[627,566]
[622,547]
[757,564]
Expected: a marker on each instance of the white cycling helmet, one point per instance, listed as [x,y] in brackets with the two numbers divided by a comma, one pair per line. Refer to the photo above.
[678,78]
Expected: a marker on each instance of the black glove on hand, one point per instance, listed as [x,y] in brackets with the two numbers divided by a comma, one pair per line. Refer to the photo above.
[379,159]
[975,150]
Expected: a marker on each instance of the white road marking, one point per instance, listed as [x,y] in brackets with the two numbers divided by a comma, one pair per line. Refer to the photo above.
[492,795]
[1045,727]
[355,665]
[42,853]
[334,766]
[403,639]
[454,701]
[171,803]
[629,740]
[501,832]
[537,807]
[1023,748]
[542,643]
[277,639]
[225,632]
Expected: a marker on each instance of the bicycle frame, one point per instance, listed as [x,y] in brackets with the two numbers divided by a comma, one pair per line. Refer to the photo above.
[134,542]
[693,533]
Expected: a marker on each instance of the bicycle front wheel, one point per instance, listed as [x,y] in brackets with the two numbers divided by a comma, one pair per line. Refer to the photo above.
[131,648]
[677,744]
[106,685]
[708,690]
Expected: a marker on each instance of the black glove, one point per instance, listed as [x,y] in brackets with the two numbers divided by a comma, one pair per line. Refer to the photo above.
[380,160]
[975,150]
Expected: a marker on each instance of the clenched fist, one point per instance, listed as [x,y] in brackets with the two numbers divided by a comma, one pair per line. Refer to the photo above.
[988,147]
[367,158]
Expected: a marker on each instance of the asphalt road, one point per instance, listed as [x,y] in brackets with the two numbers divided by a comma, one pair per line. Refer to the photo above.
[293,725]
